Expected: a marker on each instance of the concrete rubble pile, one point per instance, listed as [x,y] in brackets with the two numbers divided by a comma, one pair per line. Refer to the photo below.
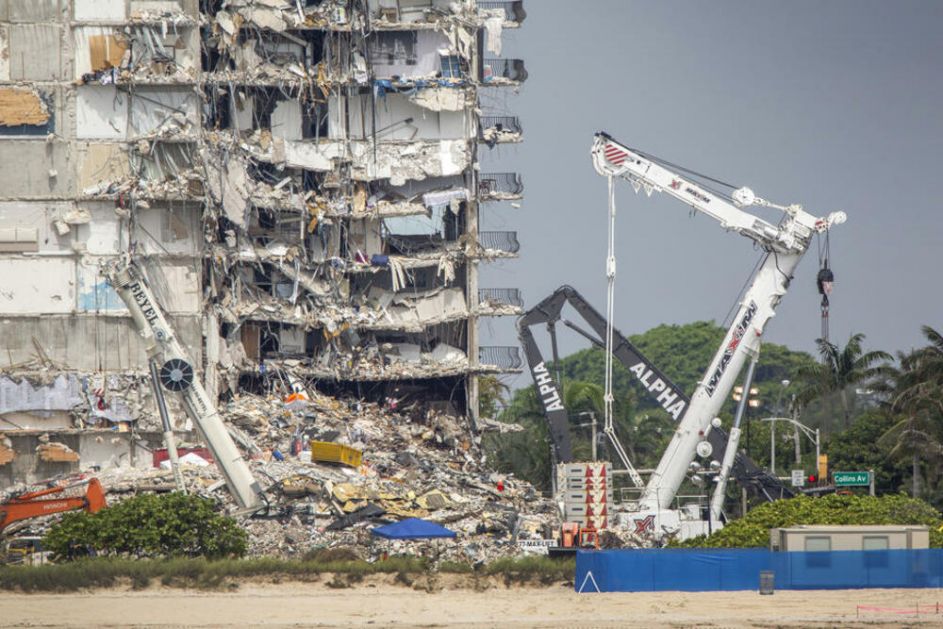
[414,464]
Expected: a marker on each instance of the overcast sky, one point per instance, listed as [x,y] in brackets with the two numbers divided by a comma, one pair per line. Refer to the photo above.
[836,105]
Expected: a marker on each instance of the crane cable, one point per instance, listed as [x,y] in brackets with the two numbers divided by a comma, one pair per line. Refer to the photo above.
[610,298]
[609,427]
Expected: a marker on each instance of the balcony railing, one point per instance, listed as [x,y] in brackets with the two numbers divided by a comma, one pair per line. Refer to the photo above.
[499,241]
[501,296]
[507,69]
[499,129]
[511,124]
[502,357]
[500,185]
[513,11]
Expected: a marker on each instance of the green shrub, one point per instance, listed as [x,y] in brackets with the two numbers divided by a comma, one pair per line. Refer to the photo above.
[168,525]
[752,530]
[185,572]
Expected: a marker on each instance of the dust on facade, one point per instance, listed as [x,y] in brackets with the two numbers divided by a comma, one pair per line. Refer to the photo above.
[299,181]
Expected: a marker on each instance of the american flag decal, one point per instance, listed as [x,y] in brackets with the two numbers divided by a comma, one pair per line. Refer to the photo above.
[614,155]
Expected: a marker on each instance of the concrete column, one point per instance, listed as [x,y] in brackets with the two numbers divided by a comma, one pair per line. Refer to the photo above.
[471,228]
[471,283]
[211,374]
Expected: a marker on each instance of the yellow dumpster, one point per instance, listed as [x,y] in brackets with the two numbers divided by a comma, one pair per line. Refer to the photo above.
[328,452]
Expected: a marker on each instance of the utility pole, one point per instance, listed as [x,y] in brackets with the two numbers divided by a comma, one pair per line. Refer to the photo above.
[772,448]
[795,432]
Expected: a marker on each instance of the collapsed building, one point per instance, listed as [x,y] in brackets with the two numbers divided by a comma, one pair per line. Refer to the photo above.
[300,181]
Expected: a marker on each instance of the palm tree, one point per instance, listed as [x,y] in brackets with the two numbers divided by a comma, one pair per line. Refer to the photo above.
[840,369]
[918,396]
[492,396]
[583,396]
[526,454]
[928,369]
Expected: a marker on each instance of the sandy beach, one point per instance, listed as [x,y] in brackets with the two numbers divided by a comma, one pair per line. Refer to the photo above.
[385,605]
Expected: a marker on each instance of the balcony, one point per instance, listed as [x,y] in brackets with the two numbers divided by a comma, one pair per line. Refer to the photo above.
[498,243]
[499,130]
[502,296]
[502,357]
[514,12]
[499,302]
[502,72]
[500,187]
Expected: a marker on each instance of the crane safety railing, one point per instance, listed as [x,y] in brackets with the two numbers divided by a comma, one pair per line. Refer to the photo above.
[501,296]
[513,10]
[508,69]
[499,241]
[500,356]
[500,184]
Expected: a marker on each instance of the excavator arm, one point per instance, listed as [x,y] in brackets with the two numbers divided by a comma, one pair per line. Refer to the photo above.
[549,312]
[36,504]
[655,383]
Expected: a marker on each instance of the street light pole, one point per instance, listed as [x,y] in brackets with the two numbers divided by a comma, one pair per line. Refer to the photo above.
[817,452]
[772,448]
[813,435]
[592,425]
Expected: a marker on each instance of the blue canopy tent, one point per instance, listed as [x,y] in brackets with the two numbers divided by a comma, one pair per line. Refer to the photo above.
[412,528]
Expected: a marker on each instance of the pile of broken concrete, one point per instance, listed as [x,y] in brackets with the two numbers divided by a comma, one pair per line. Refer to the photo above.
[414,463]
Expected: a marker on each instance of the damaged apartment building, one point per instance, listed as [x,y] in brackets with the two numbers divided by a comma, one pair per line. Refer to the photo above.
[299,181]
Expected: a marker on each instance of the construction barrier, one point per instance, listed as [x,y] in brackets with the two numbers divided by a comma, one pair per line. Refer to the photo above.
[705,570]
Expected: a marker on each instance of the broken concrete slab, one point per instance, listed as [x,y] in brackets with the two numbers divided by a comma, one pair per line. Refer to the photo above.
[54,452]
[228,184]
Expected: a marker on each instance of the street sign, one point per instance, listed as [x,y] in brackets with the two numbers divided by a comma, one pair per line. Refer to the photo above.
[798,478]
[852,479]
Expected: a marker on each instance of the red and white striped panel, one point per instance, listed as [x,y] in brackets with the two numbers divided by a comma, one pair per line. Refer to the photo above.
[614,155]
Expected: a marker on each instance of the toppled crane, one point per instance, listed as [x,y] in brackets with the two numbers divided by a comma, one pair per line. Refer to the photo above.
[176,374]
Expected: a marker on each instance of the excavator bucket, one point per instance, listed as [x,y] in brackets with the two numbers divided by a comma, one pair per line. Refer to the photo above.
[95,496]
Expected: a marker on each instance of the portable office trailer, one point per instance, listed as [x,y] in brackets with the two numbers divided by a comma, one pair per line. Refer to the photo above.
[870,537]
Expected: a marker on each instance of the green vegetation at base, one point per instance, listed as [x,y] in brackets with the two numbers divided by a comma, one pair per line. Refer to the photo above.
[201,573]
[752,531]
[168,525]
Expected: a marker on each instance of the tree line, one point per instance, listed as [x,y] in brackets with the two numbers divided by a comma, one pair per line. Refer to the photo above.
[873,410]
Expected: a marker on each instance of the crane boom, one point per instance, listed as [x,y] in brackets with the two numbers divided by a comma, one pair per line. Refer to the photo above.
[177,375]
[785,244]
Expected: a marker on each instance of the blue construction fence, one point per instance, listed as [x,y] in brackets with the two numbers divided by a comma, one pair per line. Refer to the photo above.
[700,570]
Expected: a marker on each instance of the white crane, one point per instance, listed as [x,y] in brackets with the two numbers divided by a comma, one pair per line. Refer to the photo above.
[177,374]
[784,244]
